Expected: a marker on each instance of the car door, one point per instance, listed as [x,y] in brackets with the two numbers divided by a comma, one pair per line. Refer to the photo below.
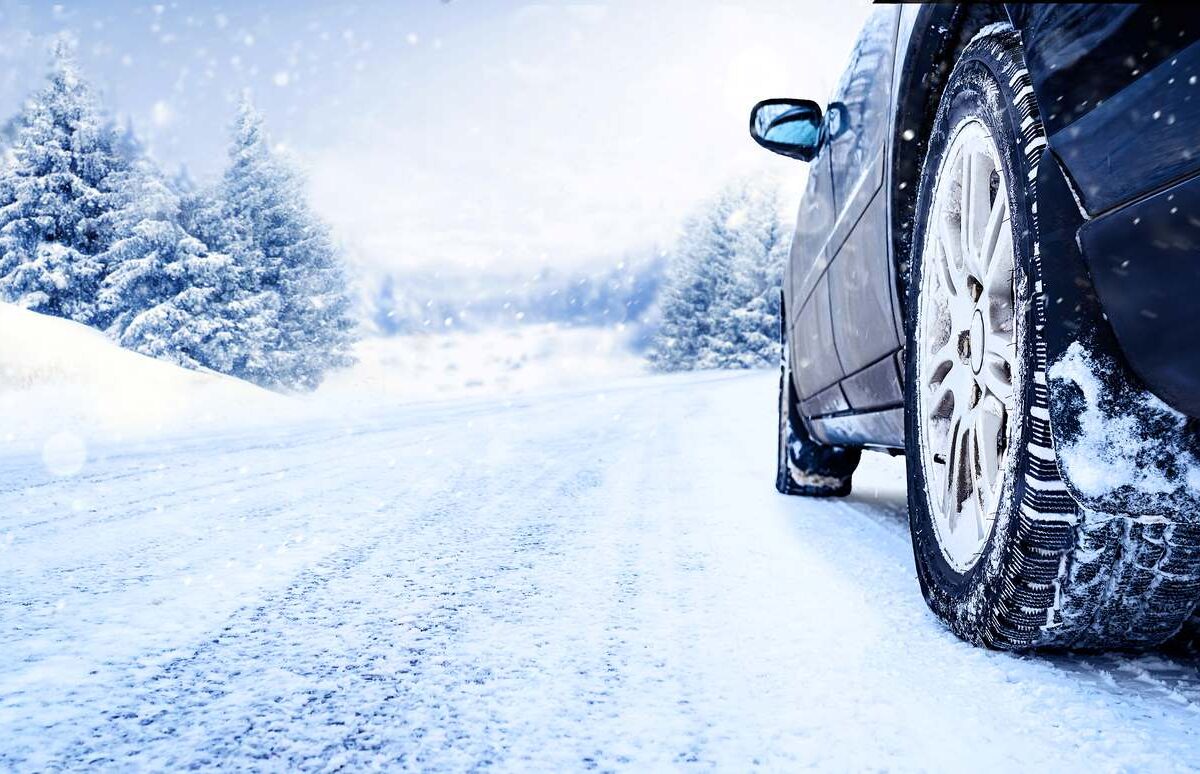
[862,290]
[815,362]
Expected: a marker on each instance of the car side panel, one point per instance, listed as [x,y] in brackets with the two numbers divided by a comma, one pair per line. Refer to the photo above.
[864,92]
[814,359]
[843,310]
[861,277]
[861,296]
[815,363]
[830,400]
[879,429]
[874,387]
[814,223]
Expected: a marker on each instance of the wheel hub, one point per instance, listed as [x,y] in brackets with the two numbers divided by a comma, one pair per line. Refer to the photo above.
[966,344]
[975,352]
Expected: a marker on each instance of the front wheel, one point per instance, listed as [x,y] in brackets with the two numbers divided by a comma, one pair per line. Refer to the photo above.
[1003,553]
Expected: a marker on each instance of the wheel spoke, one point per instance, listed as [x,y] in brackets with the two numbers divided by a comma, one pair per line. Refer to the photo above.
[996,222]
[975,209]
[989,427]
[999,274]
[960,480]
[948,238]
[980,508]
[950,500]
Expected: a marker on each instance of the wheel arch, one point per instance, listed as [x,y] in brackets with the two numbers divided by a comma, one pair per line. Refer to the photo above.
[927,48]
[929,43]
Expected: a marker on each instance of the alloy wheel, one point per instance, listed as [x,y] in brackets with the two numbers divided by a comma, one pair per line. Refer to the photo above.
[966,363]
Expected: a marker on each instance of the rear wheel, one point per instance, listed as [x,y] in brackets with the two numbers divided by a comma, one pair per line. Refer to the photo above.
[1003,553]
[803,466]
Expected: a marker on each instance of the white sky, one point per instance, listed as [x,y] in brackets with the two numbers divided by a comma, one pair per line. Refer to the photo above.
[468,133]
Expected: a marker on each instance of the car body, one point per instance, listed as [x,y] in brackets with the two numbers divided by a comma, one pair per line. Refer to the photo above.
[1119,229]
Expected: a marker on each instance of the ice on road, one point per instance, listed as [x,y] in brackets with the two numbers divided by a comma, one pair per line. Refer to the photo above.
[597,579]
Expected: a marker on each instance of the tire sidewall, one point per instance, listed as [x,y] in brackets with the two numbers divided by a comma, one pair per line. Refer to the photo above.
[978,89]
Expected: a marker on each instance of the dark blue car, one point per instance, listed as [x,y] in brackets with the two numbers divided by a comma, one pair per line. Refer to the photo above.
[996,272]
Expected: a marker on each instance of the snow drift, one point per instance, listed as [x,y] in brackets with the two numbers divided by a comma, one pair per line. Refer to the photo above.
[57,375]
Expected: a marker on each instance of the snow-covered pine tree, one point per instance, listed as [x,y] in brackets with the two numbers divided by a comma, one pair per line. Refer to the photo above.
[165,294]
[291,269]
[182,181]
[248,332]
[127,142]
[720,303]
[58,197]
[702,262]
[761,245]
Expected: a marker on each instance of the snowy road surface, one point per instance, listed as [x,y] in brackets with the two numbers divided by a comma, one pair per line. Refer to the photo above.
[599,579]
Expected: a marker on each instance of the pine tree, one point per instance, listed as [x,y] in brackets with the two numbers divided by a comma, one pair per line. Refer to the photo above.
[294,282]
[8,138]
[58,199]
[693,327]
[761,244]
[244,335]
[165,293]
[182,182]
[720,304]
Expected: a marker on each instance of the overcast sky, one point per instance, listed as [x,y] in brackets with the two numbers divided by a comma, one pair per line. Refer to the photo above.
[462,133]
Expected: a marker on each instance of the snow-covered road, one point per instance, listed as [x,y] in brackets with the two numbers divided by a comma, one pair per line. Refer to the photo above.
[597,579]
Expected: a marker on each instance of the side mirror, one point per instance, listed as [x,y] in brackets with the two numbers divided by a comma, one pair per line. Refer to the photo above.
[789,127]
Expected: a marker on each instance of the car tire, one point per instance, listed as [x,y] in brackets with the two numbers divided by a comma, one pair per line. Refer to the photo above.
[1016,564]
[803,466]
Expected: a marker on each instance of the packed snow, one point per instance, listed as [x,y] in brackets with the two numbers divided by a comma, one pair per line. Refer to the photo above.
[600,577]
[1125,447]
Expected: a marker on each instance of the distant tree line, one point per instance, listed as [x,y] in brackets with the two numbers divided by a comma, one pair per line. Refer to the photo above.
[720,302]
[711,301]
[625,293]
[240,277]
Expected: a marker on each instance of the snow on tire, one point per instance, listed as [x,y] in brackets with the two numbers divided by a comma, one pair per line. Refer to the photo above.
[1004,555]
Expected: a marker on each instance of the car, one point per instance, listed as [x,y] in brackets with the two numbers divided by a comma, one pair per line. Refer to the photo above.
[996,272]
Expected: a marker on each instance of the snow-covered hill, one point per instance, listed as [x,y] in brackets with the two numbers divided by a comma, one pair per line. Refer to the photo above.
[57,376]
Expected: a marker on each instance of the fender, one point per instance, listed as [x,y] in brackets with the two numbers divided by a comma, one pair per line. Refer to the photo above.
[1152,467]
[1120,449]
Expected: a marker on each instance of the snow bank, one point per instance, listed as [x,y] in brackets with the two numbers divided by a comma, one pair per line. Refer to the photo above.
[63,385]
[67,389]
[61,381]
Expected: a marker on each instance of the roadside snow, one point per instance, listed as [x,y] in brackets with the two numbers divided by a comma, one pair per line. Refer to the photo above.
[59,377]
[602,578]
[66,387]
